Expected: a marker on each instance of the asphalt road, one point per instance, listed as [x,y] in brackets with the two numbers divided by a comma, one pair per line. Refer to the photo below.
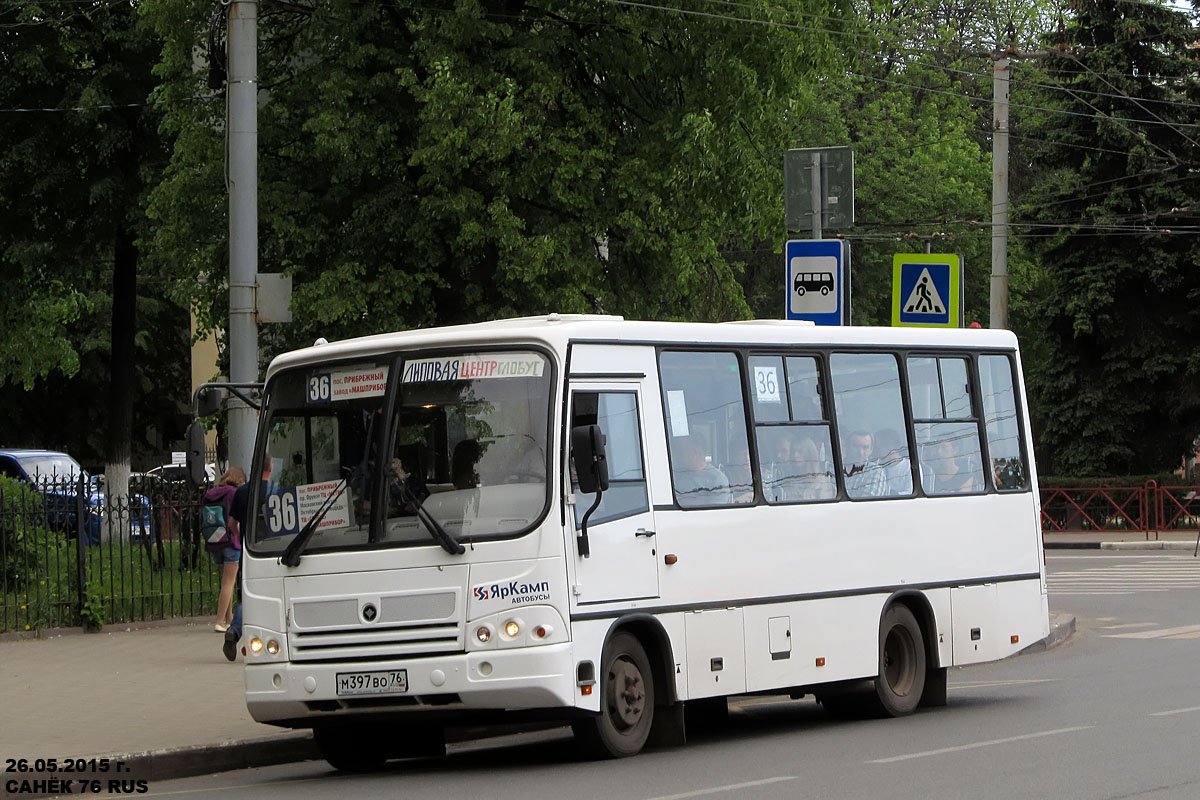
[1113,712]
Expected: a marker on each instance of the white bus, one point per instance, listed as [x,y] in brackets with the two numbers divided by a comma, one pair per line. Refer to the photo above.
[784,509]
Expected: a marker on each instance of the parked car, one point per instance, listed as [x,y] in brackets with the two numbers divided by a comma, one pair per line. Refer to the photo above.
[57,478]
[177,473]
[175,507]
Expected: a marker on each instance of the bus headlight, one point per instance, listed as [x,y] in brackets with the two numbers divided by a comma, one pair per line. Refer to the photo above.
[512,629]
[256,645]
[273,647]
[484,634]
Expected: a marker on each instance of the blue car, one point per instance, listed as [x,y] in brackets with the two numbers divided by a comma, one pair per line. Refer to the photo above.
[56,477]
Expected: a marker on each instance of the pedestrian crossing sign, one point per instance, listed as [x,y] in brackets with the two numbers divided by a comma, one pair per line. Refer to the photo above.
[927,290]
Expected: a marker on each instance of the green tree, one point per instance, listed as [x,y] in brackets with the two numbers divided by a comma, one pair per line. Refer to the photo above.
[1116,302]
[455,162]
[72,207]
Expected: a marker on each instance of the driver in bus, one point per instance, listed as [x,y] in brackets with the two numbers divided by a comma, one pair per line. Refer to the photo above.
[401,502]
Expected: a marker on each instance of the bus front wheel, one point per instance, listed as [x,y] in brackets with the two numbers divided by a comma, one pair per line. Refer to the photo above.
[901,677]
[626,702]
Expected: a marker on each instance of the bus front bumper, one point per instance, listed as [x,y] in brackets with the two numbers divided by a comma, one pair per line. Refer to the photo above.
[296,694]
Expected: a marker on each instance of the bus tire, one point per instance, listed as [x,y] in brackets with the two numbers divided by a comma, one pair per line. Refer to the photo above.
[352,749]
[901,678]
[626,702]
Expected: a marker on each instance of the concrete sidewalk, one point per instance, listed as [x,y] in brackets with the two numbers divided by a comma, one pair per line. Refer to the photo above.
[161,697]
[162,694]
[1110,540]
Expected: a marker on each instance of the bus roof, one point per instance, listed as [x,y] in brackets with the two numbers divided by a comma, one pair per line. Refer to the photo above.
[557,330]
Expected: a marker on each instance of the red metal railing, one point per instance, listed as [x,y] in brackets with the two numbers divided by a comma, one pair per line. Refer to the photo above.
[1148,509]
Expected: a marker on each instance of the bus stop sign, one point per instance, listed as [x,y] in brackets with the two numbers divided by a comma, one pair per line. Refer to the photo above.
[817,277]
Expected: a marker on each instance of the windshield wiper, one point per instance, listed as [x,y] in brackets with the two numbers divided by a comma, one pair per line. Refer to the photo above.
[291,556]
[440,535]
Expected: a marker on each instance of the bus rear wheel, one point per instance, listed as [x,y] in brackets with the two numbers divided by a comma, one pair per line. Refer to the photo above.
[626,702]
[901,678]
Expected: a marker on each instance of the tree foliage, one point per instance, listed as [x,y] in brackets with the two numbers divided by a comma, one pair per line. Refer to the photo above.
[1116,304]
[81,148]
[455,162]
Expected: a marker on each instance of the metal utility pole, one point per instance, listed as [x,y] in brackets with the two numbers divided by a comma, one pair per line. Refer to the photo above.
[999,284]
[817,195]
[242,130]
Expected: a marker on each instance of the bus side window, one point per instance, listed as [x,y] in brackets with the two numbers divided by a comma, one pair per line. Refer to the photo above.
[947,432]
[1000,418]
[706,424]
[866,390]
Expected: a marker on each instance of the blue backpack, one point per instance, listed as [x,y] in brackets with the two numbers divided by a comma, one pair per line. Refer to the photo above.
[214,527]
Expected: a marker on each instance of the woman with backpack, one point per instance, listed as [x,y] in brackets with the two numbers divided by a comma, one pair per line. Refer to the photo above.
[223,541]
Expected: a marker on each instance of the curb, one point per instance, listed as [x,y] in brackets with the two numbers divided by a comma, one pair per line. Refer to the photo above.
[1061,628]
[1162,544]
[189,762]
[1159,545]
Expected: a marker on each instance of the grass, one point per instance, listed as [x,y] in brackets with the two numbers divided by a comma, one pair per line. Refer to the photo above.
[124,582]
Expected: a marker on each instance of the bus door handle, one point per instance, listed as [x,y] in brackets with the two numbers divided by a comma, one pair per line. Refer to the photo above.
[643,532]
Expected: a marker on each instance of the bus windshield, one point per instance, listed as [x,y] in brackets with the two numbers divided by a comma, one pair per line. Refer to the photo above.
[392,447]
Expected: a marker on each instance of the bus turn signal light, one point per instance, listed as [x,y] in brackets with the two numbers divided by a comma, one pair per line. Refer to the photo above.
[670,558]
[1014,639]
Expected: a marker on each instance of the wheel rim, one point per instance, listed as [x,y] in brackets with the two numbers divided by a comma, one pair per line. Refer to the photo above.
[626,694]
[899,660]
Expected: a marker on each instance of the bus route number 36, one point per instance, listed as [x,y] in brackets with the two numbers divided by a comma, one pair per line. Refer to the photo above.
[319,389]
[281,513]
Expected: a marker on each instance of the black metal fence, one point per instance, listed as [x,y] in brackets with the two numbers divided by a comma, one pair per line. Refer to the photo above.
[71,557]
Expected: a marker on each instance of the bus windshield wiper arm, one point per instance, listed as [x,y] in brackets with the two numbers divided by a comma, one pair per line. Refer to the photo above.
[291,556]
[440,534]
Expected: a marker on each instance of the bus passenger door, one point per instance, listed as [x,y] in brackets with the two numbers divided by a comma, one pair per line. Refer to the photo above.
[623,564]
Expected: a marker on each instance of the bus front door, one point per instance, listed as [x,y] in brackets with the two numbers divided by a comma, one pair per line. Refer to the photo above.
[622,564]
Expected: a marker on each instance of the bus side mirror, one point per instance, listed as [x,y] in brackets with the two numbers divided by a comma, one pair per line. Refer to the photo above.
[591,463]
[207,402]
[195,454]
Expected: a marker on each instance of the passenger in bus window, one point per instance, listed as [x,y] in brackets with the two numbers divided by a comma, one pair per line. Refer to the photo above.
[864,476]
[951,475]
[778,472]
[736,468]
[893,457]
[697,482]
[814,474]
[1008,473]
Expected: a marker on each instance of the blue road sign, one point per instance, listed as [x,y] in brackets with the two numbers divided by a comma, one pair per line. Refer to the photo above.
[926,290]
[816,281]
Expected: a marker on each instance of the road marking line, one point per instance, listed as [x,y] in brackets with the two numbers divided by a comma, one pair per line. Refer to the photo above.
[989,684]
[1129,625]
[1175,711]
[730,787]
[977,745]
[1156,634]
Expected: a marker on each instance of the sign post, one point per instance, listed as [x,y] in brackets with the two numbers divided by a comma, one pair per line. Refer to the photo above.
[927,290]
